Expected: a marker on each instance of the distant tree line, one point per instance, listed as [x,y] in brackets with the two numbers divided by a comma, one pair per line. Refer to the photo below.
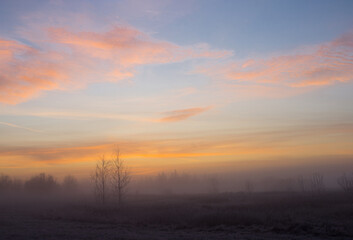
[111,179]
[174,182]
[314,183]
[40,184]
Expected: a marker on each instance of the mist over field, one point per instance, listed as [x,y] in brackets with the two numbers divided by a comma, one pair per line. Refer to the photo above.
[297,201]
[176,205]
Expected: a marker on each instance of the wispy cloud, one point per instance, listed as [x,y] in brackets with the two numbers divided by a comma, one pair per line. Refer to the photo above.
[183,114]
[81,58]
[315,66]
[20,127]
[126,46]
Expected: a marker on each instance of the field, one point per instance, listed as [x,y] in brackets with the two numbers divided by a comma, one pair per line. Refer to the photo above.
[220,216]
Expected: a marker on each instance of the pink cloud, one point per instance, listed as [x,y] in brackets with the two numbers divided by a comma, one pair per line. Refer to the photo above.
[324,64]
[127,46]
[179,115]
[83,57]
[24,72]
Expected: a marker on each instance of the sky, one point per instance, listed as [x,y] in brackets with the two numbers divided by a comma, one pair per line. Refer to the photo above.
[197,86]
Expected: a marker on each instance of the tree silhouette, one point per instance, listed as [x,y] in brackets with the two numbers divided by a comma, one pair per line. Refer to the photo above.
[213,185]
[101,178]
[70,183]
[317,182]
[249,186]
[41,183]
[5,182]
[120,176]
[345,183]
[301,183]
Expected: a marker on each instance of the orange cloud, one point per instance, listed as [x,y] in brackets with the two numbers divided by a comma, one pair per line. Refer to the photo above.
[179,115]
[324,64]
[84,57]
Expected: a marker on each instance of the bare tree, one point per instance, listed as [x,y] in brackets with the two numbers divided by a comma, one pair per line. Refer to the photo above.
[5,182]
[101,178]
[286,184]
[301,183]
[317,182]
[213,185]
[345,183]
[120,176]
[249,186]
[70,183]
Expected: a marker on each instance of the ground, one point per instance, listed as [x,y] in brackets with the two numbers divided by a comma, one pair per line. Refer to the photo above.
[224,216]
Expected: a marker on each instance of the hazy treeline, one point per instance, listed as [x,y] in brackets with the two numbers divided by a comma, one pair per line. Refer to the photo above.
[184,183]
[105,183]
[41,184]
[175,183]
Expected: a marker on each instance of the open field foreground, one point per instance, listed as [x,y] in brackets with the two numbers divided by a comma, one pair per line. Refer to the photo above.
[222,216]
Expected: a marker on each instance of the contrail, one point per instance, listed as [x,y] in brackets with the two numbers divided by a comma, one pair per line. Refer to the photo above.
[16,126]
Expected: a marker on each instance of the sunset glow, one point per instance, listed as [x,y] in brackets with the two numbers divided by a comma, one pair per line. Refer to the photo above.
[198,86]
